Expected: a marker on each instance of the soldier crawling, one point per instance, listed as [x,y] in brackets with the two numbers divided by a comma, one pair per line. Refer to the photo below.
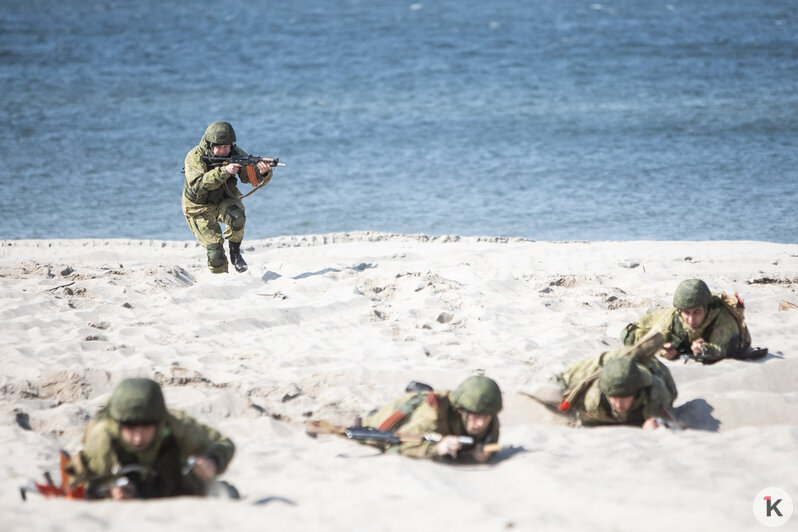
[162,452]
[705,326]
[471,410]
[626,392]
[210,196]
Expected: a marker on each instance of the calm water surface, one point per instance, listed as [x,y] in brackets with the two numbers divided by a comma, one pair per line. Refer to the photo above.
[551,120]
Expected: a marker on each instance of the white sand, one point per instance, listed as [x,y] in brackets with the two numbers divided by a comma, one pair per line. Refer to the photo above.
[333,325]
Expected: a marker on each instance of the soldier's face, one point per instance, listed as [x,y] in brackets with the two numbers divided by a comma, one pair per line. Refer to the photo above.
[476,424]
[694,316]
[621,404]
[138,436]
[221,150]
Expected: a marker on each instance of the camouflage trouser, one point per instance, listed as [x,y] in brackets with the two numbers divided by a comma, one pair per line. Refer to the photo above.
[203,220]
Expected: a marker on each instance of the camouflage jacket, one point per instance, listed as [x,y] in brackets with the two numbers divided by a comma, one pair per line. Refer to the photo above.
[205,185]
[434,414]
[720,331]
[177,439]
[593,408]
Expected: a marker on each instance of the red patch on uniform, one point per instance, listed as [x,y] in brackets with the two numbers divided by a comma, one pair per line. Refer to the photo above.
[432,400]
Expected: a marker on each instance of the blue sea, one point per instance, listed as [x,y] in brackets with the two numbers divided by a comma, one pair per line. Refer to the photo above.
[544,119]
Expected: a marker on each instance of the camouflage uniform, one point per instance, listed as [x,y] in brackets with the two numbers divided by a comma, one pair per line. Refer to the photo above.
[439,411]
[178,436]
[650,382]
[210,196]
[720,330]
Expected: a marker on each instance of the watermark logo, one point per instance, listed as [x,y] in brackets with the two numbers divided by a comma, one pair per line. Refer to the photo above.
[772,507]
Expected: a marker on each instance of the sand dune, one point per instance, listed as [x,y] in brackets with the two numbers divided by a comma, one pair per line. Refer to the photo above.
[329,326]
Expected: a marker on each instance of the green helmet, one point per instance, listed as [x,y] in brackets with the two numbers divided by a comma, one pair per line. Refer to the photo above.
[692,293]
[478,394]
[621,377]
[137,402]
[220,133]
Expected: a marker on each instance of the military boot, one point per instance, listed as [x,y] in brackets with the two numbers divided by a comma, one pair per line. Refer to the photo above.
[235,257]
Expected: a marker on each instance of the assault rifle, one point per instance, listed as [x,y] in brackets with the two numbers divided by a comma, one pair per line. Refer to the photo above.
[99,487]
[701,357]
[752,353]
[92,488]
[243,160]
[668,419]
[367,434]
[247,161]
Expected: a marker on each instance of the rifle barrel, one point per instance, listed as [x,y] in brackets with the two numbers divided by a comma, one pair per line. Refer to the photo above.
[372,434]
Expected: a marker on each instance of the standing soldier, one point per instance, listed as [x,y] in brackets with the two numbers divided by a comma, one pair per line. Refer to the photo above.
[162,452]
[710,327]
[210,196]
[471,410]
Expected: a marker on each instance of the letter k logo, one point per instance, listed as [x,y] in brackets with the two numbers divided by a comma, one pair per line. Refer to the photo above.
[772,506]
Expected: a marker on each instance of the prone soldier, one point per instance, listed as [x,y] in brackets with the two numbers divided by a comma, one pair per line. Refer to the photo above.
[471,410]
[701,325]
[627,386]
[161,452]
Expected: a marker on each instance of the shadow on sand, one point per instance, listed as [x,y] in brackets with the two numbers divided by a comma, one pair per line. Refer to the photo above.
[697,414]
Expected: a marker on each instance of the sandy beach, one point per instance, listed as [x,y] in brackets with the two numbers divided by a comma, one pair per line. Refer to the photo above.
[330,326]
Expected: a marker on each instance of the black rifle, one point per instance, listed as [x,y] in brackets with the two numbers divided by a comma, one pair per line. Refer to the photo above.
[371,435]
[99,487]
[243,160]
[752,353]
[668,419]
[366,433]
[249,162]
[702,357]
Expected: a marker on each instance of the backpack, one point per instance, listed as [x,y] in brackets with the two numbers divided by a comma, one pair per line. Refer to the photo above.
[734,304]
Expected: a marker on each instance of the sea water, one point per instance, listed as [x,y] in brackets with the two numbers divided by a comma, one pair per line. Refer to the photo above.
[544,119]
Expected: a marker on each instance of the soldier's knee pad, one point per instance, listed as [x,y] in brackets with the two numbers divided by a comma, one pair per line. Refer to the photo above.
[216,256]
[237,217]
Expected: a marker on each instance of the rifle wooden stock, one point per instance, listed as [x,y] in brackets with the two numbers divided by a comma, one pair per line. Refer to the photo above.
[67,489]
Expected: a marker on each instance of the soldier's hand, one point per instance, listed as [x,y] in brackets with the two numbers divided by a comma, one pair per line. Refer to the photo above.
[448,446]
[122,492]
[205,468]
[669,352]
[697,347]
[650,424]
[263,167]
[232,168]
